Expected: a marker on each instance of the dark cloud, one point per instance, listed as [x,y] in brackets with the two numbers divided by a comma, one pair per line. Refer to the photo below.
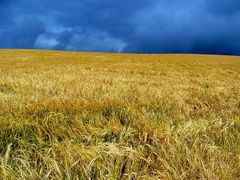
[142,26]
[23,34]
[2,2]
[223,7]
[215,47]
[64,39]
[114,17]
[4,13]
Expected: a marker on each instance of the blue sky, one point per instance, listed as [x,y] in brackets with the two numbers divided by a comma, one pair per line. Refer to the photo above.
[133,26]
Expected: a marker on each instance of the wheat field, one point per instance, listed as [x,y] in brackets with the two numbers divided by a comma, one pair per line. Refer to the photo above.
[71,115]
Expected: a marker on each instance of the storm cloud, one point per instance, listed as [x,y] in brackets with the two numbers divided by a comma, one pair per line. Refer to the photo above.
[135,26]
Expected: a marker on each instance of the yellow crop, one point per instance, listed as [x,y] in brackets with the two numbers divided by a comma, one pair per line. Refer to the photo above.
[69,115]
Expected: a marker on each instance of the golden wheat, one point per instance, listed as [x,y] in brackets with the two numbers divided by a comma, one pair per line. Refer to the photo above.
[69,115]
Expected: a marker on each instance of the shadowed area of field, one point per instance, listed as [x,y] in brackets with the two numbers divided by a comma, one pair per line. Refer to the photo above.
[118,116]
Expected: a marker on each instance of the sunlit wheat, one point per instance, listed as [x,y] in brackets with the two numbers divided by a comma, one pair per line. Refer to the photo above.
[69,115]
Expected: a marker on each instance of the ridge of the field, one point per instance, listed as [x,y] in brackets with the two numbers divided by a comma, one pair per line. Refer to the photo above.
[81,115]
[108,53]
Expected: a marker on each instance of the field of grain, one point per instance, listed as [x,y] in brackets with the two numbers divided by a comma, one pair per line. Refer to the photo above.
[69,115]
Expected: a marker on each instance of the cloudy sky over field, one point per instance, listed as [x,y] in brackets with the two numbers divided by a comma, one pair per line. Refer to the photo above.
[137,26]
